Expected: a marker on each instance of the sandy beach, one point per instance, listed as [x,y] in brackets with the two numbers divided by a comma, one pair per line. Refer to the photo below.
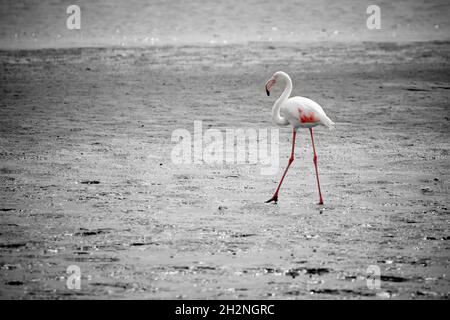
[87,179]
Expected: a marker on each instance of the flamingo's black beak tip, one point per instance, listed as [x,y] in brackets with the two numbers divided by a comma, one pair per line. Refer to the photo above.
[268,92]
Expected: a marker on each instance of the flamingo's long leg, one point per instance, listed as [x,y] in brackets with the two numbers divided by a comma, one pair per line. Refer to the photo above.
[291,159]
[315,164]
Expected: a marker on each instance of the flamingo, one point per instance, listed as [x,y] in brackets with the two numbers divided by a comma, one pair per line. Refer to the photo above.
[298,112]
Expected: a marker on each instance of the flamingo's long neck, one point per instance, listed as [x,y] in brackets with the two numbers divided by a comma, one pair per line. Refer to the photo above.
[276,117]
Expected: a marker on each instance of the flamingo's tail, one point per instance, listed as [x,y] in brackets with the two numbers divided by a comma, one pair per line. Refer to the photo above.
[327,122]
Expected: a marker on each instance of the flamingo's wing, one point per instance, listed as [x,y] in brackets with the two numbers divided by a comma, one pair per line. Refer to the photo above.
[306,111]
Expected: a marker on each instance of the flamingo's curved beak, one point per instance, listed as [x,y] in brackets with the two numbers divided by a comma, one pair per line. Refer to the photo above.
[269,85]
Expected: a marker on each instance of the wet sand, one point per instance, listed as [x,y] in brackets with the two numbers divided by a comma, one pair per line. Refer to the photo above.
[87,179]
[137,23]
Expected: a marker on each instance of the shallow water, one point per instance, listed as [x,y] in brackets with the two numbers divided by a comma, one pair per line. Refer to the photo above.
[137,23]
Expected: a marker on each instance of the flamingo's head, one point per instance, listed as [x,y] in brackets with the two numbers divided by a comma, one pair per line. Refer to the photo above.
[271,82]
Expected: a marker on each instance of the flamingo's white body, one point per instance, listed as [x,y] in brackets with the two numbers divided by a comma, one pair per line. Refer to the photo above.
[298,112]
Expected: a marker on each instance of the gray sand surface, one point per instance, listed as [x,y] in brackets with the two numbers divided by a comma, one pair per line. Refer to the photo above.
[153,229]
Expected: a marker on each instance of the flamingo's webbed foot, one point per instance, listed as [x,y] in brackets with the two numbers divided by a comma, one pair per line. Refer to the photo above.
[274,199]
